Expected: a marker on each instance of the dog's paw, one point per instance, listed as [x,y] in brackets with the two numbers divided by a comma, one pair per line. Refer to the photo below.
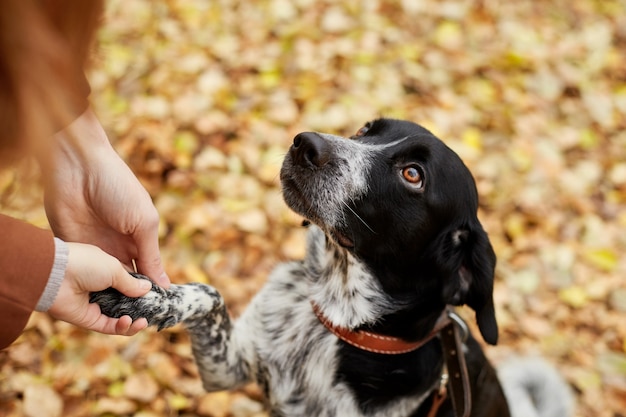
[115,304]
[162,308]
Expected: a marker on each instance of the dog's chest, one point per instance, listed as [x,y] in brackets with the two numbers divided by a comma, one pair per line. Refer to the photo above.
[297,357]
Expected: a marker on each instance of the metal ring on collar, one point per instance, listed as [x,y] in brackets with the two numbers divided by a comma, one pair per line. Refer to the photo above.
[461,323]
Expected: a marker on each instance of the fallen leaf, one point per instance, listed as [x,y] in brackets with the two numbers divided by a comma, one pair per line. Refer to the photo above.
[574,296]
[604,259]
[141,387]
[215,404]
[42,401]
[116,406]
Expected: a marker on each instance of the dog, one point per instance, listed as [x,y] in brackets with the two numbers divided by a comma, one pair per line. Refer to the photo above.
[364,325]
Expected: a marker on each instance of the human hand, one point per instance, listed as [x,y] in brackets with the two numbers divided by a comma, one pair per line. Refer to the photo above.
[90,269]
[91,196]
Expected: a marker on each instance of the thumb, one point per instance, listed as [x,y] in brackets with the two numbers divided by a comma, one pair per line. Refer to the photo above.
[129,285]
[149,259]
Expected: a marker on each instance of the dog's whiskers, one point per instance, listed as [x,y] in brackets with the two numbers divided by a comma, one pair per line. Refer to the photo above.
[358,217]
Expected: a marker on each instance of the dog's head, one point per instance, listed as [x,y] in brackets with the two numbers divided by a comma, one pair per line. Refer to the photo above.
[403,203]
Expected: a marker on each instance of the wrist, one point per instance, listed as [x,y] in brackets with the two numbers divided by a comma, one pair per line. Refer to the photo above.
[75,144]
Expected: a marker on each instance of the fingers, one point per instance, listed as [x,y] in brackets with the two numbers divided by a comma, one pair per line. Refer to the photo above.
[124,326]
[149,258]
[128,285]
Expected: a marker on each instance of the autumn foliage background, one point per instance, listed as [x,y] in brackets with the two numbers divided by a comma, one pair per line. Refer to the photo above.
[202,99]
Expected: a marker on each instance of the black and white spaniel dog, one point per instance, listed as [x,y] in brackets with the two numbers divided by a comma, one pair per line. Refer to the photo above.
[354,328]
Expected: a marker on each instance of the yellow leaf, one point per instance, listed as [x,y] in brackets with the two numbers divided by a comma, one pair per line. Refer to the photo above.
[178,402]
[270,78]
[195,274]
[587,379]
[432,127]
[588,139]
[472,138]
[516,60]
[604,259]
[515,226]
[116,389]
[368,58]
[522,158]
[118,58]
[574,296]
[449,35]
[185,144]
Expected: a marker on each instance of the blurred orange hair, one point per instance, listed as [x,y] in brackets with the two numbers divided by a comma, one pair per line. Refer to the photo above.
[43,48]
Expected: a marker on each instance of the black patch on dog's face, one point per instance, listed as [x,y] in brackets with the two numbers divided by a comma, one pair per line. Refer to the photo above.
[406,218]
[404,204]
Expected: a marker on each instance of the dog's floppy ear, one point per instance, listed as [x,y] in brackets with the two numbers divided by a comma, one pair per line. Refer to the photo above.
[470,281]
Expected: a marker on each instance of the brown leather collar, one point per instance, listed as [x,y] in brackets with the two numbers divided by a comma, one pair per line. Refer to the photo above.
[377,343]
[447,327]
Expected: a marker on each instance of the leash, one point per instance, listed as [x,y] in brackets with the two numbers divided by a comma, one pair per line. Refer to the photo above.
[441,394]
[454,376]
[455,367]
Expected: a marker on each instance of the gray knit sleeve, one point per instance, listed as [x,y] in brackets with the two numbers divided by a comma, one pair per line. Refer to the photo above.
[57,274]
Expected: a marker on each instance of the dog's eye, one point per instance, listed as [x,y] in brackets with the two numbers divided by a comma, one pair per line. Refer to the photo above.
[412,175]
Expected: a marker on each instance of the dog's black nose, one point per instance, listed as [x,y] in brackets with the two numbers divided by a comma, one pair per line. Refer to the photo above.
[309,148]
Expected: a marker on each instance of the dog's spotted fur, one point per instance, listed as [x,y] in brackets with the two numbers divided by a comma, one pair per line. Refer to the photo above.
[383,254]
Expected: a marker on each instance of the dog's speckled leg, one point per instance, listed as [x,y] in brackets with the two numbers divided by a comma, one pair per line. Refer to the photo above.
[201,308]
[222,362]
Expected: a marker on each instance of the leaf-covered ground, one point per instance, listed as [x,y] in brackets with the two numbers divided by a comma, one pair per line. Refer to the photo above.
[202,99]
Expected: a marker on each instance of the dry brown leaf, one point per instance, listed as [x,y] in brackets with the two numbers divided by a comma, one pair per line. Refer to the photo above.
[215,404]
[141,386]
[42,401]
